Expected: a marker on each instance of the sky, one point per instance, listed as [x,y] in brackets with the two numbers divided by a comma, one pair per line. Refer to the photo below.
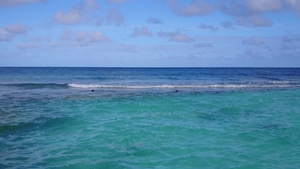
[150,33]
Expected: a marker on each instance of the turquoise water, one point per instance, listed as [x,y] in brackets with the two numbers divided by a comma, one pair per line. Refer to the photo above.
[212,121]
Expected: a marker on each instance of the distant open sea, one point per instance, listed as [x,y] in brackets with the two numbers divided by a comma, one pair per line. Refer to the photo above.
[208,118]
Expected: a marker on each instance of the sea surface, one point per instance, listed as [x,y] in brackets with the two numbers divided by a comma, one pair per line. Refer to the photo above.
[140,118]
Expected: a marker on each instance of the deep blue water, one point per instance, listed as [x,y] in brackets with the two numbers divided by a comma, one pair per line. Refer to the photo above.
[154,77]
[149,117]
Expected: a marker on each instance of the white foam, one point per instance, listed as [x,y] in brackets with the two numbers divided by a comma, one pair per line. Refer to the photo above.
[165,86]
[86,86]
[280,82]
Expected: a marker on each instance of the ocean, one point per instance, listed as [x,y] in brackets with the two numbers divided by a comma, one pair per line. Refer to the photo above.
[150,118]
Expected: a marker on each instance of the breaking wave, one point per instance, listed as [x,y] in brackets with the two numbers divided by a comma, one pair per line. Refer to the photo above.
[285,84]
[236,85]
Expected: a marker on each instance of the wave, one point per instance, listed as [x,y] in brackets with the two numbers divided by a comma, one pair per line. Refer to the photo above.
[236,85]
[198,86]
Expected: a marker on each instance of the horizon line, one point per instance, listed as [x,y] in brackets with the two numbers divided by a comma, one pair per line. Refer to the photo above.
[149,67]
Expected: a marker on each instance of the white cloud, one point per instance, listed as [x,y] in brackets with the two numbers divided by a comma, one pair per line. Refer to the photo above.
[141,31]
[70,17]
[81,36]
[7,3]
[154,21]
[87,38]
[175,36]
[77,13]
[10,31]
[97,36]
[254,21]
[115,16]
[273,5]
[264,5]
[91,5]
[250,13]
[244,15]
[17,28]
[208,27]
[5,36]
[196,8]
[295,5]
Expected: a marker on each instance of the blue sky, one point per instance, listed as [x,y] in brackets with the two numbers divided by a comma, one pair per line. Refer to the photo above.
[150,33]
